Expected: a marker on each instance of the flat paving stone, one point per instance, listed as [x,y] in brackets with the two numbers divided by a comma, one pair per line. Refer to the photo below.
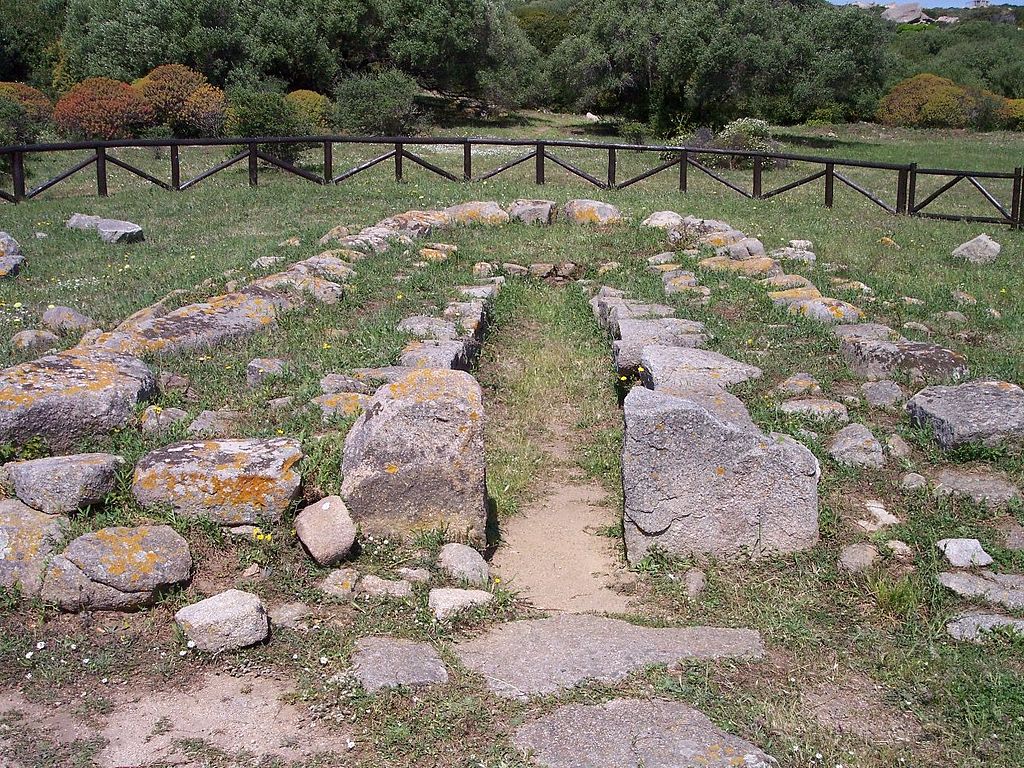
[624,733]
[987,412]
[982,486]
[977,626]
[1005,589]
[672,369]
[389,662]
[542,656]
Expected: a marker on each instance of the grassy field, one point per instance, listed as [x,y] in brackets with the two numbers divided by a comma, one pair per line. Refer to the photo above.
[870,652]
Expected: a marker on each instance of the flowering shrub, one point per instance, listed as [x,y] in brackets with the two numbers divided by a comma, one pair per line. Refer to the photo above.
[746,134]
[36,103]
[183,100]
[101,108]
[314,110]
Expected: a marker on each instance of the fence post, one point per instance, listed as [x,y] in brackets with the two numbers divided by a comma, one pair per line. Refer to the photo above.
[18,175]
[1017,206]
[540,162]
[758,170]
[901,190]
[684,162]
[101,171]
[467,161]
[830,183]
[912,189]
[328,161]
[254,178]
[175,168]
[399,155]
[612,161]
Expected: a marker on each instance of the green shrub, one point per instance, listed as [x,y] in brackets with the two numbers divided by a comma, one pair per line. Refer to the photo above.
[101,108]
[314,110]
[1013,114]
[16,127]
[930,101]
[260,113]
[382,103]
[747,134]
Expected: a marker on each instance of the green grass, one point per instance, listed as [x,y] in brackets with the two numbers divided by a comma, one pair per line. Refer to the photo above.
[544,361]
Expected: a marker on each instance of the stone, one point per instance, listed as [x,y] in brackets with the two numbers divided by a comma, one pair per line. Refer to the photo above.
[60,485]
[389,662]
[83,221]
[981,250]
[592,212]
[11,257]
[415,575]
[880,517]
[964,553]
[259,371]
[761,267]
[883,394]
[66,586]
[230,482]
[479,292]
[425,327]
[335,383]
[663,220]
[447,602]
[27,539]
[335,234]
[816,408]
[665,332]
[541,657]
[156,419]
[414,461]
[341,405]
[667,257]
[476,212]
[785,282]
[912,481]
[170,382]
[851,286]
[142,559]
[855,446]
[963,297]
[920,360]
[326,530]
[340,583]
[67,320]
[267,262]
[482,269]
[436,354]
[463,564]
[34,340]
[800,384]
[826,310]
[900,550]
[982,486]
[375,586]
[533,211]
[793,295]
[904,13]
[117,231]
[222,423]
[290,616]
[872,331]
[857,558]
[679,369]
[953,316]
[1006,589]
[72,395]
[897,447]
[979,626]
[224,622]
[694,582]
[695,483]
[804,255]
[917,327]
[412,224]
[633,732]
[743,249]
[986,412]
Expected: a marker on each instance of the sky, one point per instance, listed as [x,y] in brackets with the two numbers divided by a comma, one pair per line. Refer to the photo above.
[933,3]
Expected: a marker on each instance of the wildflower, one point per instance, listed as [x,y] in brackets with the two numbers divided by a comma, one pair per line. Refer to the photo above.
[280,431]
[640,369]
[623,378]
[326,345]
[398,296]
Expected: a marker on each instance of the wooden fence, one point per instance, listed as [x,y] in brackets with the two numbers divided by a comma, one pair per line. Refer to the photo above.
[902,200]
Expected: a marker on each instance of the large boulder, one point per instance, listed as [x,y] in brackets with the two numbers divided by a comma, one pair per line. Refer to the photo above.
[27,539]
[477,212]
[414,460]
[981,250]
[591,212]
[72,395]
[987,412]
[231,482]
[60,485]
[696,484]
[876,359]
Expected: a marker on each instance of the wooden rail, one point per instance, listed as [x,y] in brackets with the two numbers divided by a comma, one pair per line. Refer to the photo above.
[253,151]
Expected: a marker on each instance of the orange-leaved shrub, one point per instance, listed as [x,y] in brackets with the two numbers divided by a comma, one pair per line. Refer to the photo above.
[1013,114]
[314,110]
[36,104]
[930,101]
[183,100]
[101,108]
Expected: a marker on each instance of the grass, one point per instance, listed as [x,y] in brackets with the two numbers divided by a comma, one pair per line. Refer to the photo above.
[879,639]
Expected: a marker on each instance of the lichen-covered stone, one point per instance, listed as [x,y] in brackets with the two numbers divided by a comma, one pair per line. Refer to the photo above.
[67,320]
[426,327]
[219,423]
[27,538]
[416,223]
[478,212]
[816,408]
[60,485]
[986,412]
[855,446]
[533,211]
[11,257]
[35,340]
[591,212]
[341,405]
[259,371]
[436,354]
[224,622]
[679,369]
[663,332]
[67,587]
[663,220]
[232,482]
[65,397]
[920,360]
[826,310]
[414,460]
[142,559]
[158,419]
[762,266]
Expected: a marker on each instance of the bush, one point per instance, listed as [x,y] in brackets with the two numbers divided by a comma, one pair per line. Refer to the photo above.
[16,127]
[382,103]
[183,100]
[1013,114]
[36,103]
[101,108]
[746,134]
[314,110]
[261,113]
[929,101]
